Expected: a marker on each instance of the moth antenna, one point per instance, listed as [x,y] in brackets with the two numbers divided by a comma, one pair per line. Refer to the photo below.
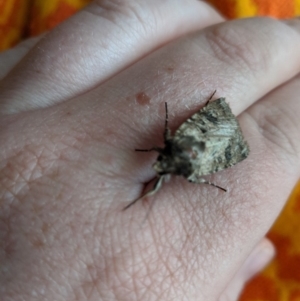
[145,150]
[157,149]
[210,98]
[167,130]
[212,184]
[156,187]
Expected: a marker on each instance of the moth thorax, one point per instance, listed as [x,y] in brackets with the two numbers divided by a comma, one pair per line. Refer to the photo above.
[194,152]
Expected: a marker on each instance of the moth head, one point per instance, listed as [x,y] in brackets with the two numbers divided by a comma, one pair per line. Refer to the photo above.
[179,156]
[164,165]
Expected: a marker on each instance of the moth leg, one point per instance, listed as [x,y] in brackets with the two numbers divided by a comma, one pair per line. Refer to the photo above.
[167,132]
[156,187]
[207,102]
[212,184]
[203,181]
[157,149]
[145,150]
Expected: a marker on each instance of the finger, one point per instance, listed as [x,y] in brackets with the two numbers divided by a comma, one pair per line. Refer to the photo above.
[97,43]
[273,127]
[10,58]
[258,259]
[185,73]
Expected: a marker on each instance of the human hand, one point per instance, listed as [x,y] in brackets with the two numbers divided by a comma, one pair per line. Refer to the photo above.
[85,97]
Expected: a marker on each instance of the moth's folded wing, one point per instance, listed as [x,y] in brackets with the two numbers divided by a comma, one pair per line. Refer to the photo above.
[219,130]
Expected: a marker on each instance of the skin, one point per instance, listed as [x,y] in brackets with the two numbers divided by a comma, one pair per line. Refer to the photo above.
[75,103]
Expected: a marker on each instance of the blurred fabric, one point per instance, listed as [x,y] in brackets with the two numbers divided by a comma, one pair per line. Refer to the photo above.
[280,281]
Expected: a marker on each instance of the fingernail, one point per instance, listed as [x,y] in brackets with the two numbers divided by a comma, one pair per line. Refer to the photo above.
[259,259]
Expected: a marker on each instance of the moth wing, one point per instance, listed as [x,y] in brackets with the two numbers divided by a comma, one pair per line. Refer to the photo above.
[217,127]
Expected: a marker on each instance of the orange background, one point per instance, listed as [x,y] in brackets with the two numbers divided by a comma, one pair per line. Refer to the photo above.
[280,281]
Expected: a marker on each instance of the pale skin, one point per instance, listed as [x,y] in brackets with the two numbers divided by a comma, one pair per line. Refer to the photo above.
[71,119]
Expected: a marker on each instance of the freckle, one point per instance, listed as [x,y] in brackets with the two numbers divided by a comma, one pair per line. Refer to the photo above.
[169,69]
[38,71]
[37,243]
[109,159]
[36,208]
[9,249]
[45,227]
[142,98]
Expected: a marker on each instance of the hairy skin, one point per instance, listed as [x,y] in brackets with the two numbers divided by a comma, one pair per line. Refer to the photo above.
[71,117]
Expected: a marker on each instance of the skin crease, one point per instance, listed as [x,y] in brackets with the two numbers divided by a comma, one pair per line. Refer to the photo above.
[71,116]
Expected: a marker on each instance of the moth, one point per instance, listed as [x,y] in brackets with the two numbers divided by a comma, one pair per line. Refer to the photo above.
[209,141]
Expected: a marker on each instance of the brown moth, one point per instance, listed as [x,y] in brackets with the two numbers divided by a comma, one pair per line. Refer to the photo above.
[209,141]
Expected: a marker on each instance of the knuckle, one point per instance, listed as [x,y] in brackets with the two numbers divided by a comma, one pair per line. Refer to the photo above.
[112,10]
[238,44]
[277,126]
